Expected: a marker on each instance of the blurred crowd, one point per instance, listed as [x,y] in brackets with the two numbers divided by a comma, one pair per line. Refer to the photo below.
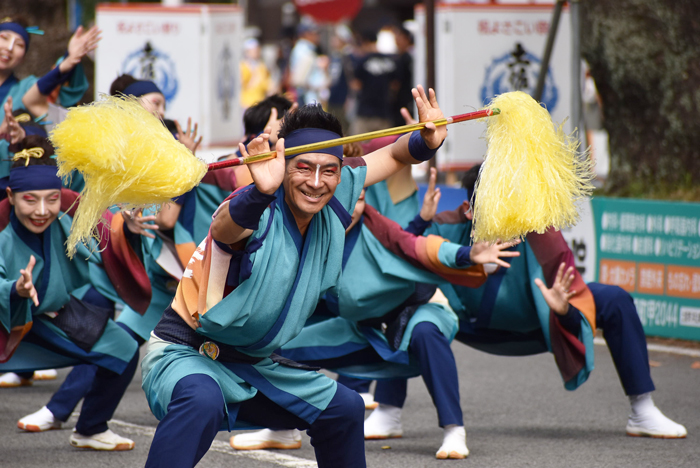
[363,77]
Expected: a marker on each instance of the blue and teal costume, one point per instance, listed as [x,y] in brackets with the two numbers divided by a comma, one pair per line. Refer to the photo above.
[508,315]
[264,295]
[46,336]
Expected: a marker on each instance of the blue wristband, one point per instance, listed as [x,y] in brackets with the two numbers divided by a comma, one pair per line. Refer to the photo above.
[14,295]
[571,320]
[248,205]
[52,80]
[418,149]
[462,259]
[418,225]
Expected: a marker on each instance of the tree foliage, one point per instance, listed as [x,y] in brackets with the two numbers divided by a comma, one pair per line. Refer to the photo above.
[645,58]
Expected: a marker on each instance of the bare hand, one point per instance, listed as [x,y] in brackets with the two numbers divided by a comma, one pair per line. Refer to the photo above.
[486,252]
[557,297]
[138,224]
[25,284]
[431,198]
[79,45]
[428,110]
[407,117]
[189,137]
[10,129]
[267,175]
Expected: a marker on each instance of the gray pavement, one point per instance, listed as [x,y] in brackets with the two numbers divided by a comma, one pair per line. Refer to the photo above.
[516,410]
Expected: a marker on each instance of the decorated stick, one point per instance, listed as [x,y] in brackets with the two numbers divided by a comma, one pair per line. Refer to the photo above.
[354,138]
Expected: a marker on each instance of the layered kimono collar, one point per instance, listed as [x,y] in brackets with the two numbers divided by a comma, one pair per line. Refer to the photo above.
[26,178]
[141,88]
[7,25]
[306,136]
[34,241]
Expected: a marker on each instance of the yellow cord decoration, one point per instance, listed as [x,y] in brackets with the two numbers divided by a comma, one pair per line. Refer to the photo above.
[532,175]
[124,153]
[23,118]
[27,153]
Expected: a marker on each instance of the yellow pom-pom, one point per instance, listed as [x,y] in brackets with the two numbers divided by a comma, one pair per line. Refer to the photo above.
[532,175]
[126,156]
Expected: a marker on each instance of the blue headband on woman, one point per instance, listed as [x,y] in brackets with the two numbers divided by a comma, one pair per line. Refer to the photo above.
[27,178]
[305,136]
[21,30]
[140,88]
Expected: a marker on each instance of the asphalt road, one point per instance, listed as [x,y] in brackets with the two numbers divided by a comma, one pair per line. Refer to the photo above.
[516,410]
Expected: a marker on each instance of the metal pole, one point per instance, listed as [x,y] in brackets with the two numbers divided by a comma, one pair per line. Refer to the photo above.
[430,50]
[544,66]
[576,105]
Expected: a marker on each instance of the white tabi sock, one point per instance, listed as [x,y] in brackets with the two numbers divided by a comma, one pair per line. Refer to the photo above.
[646,420]
[454,443]
[384,423]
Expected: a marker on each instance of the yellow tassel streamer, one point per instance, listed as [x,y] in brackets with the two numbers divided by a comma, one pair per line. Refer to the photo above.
[532,175]
[124,153]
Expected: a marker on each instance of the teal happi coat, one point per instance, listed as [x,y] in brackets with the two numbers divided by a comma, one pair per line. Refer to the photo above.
[258,300]
[374,282]
[56,278]
[508,314]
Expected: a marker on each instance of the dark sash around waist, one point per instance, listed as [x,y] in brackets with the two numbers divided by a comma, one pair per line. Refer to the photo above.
[172,328]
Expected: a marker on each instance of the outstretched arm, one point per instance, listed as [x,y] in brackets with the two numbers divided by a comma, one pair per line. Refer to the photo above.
[390,159]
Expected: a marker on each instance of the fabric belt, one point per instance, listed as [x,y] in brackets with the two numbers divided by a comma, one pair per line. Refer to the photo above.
[172,328]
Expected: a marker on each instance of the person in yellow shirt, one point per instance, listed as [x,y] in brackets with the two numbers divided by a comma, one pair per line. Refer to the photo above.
[255,77]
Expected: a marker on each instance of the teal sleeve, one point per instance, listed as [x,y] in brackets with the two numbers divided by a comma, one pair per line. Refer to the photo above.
[71,93]
[448,255]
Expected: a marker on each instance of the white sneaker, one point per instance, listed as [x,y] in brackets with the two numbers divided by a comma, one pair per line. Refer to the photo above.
[106,440]
[267,439]
[42,420]
[13,380]
[368,398]
[384,423]
[454,444]
[46,374]
[653,423]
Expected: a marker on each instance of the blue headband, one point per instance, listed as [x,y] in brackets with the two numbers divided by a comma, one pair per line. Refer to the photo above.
[305,136]
[140,88]
[21,30]
[26,178]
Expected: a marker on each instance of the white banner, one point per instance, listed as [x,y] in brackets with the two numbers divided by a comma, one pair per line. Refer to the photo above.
[486,50]
[190,52]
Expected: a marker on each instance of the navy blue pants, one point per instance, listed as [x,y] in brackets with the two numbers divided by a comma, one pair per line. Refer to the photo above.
[359,385]
[439,372]
[78,384]
[197,411]
[617,316]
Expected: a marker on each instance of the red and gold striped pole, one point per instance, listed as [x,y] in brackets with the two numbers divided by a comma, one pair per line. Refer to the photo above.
[354,138]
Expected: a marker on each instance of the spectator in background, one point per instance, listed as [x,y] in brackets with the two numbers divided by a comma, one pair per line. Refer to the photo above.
[255,77]
[303,64]
[404,75]
[340,71]
[374,75]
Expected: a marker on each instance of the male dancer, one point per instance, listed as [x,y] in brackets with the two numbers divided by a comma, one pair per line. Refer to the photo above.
[273,250]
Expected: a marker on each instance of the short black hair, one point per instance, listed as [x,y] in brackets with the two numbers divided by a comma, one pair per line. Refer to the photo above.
[310,116]
[35,141]
[406,33]
[368,35]
[469,179]
[256,116]
[121,83]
